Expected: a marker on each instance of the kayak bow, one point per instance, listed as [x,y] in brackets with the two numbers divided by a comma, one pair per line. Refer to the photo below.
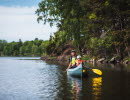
[75,71]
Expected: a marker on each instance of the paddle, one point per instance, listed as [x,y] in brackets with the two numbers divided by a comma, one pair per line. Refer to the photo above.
[96,71]
[68,67]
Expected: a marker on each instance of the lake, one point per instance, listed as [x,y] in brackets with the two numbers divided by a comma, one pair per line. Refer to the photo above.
[27,78]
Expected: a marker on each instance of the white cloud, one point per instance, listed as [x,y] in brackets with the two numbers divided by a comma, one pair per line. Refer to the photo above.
[20,22]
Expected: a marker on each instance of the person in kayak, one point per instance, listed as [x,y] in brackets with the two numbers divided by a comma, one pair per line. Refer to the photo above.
[78,61]
[72,59]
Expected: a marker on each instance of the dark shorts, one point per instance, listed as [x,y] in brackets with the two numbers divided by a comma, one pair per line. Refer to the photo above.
[73,67]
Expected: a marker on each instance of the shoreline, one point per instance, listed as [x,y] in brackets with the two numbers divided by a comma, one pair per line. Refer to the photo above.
[113,60]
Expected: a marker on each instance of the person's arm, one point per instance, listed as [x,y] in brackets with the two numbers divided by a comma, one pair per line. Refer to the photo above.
[69,66]
[69,63]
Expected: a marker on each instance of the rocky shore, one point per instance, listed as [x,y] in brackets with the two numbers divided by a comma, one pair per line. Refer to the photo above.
[113,60]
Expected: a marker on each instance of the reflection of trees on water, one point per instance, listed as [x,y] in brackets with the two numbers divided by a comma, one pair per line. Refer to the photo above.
[96,87]
[90,88]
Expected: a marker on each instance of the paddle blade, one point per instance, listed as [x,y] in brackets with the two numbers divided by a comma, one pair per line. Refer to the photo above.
[97,71]
[83,71]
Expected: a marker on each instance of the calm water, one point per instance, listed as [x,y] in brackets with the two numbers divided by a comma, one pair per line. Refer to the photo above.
[26,78]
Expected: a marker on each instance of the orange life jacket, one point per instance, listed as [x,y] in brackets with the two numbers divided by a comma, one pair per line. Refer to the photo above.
[79,61]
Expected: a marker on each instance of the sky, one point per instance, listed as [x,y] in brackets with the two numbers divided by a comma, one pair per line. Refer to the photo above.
[19,21]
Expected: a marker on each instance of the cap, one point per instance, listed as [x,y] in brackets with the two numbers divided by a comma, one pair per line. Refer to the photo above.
[78,56]
[73,51]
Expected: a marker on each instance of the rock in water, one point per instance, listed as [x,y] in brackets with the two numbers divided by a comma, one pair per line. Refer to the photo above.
[101,60]
[113,60]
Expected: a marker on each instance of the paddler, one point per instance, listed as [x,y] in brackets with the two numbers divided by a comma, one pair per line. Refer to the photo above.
[78,61]
[72,59]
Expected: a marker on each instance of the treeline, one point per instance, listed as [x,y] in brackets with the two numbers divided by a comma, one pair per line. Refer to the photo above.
[28,48]
[95,27]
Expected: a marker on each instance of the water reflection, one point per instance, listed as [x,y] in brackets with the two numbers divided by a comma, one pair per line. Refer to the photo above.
[96,87]
[38,80]
[79,87]
[76,87]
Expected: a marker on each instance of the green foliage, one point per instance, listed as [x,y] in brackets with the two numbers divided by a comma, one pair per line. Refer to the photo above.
[86,57]
[92,16]
[27,48]
[85,22]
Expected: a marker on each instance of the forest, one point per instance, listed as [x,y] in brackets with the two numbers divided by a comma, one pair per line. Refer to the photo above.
[28,48]
[94,27]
